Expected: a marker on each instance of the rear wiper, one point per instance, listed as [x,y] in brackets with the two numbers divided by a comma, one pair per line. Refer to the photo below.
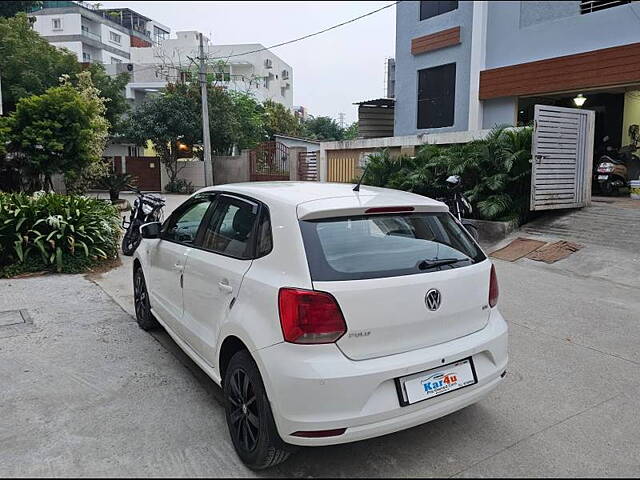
[439,262]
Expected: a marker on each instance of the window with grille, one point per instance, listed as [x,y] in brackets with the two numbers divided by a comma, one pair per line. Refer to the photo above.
[436,96]
[589,6]
[433,8]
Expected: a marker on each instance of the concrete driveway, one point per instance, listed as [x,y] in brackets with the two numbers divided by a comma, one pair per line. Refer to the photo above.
[85,392]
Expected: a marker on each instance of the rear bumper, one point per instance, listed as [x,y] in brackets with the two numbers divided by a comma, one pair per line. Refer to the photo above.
[315,387]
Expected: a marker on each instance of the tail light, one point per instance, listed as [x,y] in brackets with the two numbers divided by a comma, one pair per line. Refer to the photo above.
[493,288]
[308,317]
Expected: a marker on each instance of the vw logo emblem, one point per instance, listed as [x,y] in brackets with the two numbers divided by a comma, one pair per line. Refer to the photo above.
[432,299]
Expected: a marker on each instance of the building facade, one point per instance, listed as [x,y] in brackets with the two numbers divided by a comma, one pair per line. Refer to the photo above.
[96,35]
[248,68]
[467,66]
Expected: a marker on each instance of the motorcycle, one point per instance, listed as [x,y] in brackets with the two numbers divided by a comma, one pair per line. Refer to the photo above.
[614,169]
[147,207]
[458,204]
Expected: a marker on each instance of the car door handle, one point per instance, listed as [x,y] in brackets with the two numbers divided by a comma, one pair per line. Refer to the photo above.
[225,287]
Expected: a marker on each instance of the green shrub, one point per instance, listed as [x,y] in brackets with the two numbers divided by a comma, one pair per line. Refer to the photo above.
[59,231]
[179,185]
[495,171]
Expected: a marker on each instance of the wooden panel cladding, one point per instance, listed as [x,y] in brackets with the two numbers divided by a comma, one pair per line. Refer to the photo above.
[597,68]
[434,41]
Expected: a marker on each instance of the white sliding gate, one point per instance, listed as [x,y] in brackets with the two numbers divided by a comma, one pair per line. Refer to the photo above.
[562,158]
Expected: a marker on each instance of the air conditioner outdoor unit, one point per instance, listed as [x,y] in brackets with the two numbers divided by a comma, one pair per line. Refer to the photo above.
[268,63]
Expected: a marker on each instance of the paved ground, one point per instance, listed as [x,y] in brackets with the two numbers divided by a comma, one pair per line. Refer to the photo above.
[85,392]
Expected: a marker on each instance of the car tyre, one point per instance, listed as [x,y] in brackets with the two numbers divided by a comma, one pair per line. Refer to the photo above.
[144,317]
[249,417]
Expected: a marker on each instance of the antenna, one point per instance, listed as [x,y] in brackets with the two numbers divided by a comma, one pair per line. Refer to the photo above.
[341,117]
[357,187]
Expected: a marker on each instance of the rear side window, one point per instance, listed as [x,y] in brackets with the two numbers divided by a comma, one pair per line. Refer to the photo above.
[376,246]
[231,229]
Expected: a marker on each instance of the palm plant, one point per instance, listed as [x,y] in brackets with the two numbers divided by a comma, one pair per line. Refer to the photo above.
[115,183]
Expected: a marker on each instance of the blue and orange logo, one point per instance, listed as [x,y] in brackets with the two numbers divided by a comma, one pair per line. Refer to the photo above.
[439,381]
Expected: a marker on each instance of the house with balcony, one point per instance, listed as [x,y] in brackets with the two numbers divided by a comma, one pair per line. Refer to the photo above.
[96,35]
[246,68]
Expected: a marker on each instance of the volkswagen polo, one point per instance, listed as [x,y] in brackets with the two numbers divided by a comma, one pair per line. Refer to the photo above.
[327,315]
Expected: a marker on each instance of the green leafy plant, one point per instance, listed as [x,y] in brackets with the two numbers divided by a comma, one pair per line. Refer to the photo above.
[57,230]
[495,171]
[180,185]
[115,182]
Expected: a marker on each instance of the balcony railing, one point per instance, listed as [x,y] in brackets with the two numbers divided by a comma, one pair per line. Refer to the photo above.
[92,35]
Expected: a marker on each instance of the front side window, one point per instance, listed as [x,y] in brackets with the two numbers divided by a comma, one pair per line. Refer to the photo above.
[433,8]
[230,231]
[183,227]
[376,246]
[436,96]
[114,37]
[56,23]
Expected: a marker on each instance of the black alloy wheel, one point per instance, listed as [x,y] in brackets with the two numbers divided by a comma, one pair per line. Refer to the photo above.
[249,417]
[244,415]
[144,317]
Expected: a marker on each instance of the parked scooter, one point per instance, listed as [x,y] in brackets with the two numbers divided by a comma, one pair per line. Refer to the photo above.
[616,168]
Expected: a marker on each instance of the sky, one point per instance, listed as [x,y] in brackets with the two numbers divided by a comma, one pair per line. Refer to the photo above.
[330,71]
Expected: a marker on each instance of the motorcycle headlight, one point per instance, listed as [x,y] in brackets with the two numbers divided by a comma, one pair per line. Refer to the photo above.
[146,208]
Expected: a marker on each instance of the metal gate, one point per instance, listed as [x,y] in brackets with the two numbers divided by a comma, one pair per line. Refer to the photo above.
[562,158]
[269,161]
[308,166]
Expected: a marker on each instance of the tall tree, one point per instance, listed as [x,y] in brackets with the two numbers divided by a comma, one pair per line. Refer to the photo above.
[323,128]
[28,63]
[10,8]
[351,132]
[169,121]
[112,89]
[278,120]
[61,131]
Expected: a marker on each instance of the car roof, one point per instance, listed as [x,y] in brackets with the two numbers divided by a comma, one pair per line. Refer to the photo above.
[323,196]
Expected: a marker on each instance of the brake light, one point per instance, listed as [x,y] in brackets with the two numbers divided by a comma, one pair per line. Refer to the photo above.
[389,209]
[307,316]
[493,288]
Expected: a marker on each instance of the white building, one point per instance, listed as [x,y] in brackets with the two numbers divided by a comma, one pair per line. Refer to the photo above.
[246,68]
[96,35]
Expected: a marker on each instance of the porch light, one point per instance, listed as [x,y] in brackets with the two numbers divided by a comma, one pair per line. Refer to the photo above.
[579,100]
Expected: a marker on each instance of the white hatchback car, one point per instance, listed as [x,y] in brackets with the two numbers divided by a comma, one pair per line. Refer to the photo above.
[326,315]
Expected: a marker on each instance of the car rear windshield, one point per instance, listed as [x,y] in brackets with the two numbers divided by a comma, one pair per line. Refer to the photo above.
[375,246]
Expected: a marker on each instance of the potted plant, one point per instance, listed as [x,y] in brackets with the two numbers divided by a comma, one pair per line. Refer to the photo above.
[115,182]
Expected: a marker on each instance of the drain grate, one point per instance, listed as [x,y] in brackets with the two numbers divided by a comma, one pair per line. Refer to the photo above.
[13,317]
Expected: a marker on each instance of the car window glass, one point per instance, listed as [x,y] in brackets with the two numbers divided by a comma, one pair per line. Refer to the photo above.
[184,227]
[376,246]
[230,229]
[265,241]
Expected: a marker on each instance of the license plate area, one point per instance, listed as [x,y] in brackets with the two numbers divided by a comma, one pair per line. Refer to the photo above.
[603,177]
[427,384]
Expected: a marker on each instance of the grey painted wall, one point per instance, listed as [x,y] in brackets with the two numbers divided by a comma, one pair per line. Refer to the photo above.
[498,111]
[549,30]
[409,26]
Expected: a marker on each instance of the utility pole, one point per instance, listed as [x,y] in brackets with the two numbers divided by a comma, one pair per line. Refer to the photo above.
[206,136]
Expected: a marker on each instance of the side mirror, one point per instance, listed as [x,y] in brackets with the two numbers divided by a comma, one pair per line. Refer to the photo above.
[150,230]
